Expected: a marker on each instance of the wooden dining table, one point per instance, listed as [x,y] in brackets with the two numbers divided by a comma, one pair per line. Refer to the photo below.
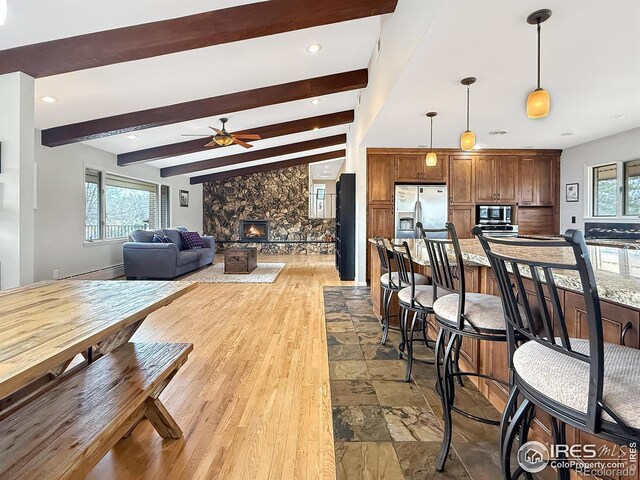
[44,326]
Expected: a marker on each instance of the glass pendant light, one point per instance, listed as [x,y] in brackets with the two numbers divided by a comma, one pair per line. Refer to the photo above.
[468,138]
[432,158]
[538,101]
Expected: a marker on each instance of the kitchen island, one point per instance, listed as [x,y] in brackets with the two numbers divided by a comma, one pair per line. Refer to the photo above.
[617,273]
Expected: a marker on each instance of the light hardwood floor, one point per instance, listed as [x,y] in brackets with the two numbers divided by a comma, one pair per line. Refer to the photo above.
[253,400]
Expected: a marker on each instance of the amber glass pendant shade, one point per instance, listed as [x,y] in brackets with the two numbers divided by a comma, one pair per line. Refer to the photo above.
[538,103]
[467,140]
[432,159]
[223,140]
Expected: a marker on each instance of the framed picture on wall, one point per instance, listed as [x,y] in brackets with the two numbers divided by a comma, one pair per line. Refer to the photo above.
[184,198]
[572,192]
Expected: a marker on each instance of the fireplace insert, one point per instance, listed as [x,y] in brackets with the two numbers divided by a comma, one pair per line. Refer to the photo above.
[254,230]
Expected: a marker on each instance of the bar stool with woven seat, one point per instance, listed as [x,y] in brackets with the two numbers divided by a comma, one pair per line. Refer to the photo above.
[586,383]
[390,283]
[460,314]
[416,298]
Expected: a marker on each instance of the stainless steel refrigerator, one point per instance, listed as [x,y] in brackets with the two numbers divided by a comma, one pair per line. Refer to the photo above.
[426,204]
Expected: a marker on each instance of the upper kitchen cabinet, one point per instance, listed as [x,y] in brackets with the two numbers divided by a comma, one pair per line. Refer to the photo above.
[496,179]
[413,169]
[380,174]
[461,191]
[538,178]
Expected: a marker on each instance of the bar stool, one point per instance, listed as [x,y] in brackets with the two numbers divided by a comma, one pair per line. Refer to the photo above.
[390,283]
[416,298]
[472,315]
[589,384]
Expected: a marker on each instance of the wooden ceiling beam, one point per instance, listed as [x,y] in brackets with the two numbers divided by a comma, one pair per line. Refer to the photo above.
[267,167]
[206,107]
[267,131]
[253,155]
[201,30]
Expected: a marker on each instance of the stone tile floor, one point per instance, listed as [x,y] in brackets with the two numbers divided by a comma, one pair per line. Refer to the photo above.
[385,428]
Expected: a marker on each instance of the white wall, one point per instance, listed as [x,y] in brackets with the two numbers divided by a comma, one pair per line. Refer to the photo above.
[59,218]
[399,37]
[620,147]
[16,180]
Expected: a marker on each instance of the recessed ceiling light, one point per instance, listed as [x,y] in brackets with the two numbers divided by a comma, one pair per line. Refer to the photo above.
[566,134]
[314,48]
[498,132]
[315,101]
[315,129]
[619,116]
[131,137]
[49,99]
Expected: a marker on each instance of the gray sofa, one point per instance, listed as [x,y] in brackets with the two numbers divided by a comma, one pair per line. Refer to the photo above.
[145,259]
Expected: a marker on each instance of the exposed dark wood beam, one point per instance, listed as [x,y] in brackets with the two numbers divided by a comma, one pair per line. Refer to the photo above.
[267,131]
[253,156]
[186,33]
[267,167]
[206,107]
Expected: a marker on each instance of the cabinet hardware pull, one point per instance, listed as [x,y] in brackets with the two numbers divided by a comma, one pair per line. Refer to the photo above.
[628,326]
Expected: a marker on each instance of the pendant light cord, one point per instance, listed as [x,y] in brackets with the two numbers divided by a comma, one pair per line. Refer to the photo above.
[431,140]
[538,55]
[468,107]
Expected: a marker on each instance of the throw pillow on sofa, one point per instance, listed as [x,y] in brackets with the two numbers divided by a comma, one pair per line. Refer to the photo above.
[192,240]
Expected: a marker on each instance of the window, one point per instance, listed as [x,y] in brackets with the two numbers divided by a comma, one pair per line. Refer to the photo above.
[164,206]
[632,188]
[604,191]
[92,214]
[115,205]
[615,189]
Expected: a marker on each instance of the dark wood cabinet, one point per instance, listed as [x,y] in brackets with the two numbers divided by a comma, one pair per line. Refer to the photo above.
[537,181]
[380,175]
[461,191]
[496,179]
[463,217]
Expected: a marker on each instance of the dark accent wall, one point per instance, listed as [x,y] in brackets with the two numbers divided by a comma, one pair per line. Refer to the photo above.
[280,196]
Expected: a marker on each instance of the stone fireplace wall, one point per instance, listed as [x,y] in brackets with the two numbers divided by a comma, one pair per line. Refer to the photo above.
[280,196]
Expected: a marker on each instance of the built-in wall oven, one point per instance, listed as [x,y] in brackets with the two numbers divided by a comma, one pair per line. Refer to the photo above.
[495,220]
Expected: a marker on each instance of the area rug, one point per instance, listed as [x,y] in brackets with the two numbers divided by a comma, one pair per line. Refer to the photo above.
[265,273]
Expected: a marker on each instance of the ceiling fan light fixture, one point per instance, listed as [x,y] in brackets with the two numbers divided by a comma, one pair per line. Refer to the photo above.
[538,101]
[223,140]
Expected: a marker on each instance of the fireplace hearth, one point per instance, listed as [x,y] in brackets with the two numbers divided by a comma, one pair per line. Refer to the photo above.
[254,230]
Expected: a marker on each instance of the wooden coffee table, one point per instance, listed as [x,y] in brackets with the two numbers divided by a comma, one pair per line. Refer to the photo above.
[240,260]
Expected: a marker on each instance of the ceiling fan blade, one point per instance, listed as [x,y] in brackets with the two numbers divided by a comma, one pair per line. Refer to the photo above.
[219,132]
[193,135]
[248,136]
[212,143]
[241,143]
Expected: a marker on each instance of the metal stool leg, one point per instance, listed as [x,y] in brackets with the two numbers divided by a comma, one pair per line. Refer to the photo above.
[402,317]
[386,294]
[559,438]
[407,377]
[448,385]
[510,436]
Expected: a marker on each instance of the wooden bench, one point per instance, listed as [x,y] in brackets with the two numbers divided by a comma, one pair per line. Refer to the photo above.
[64,432]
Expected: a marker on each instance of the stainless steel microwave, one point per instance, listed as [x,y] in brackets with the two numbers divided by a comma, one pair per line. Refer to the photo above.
[493,214]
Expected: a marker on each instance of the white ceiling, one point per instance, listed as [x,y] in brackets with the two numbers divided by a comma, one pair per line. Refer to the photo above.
[34,21]
[590,66]
[325,171]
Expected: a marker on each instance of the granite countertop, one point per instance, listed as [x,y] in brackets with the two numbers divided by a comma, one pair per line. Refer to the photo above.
[617,270]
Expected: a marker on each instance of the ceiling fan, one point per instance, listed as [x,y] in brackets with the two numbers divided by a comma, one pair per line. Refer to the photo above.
[224,138]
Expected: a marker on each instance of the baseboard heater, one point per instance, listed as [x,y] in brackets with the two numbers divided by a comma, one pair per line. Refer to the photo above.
[107,273]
